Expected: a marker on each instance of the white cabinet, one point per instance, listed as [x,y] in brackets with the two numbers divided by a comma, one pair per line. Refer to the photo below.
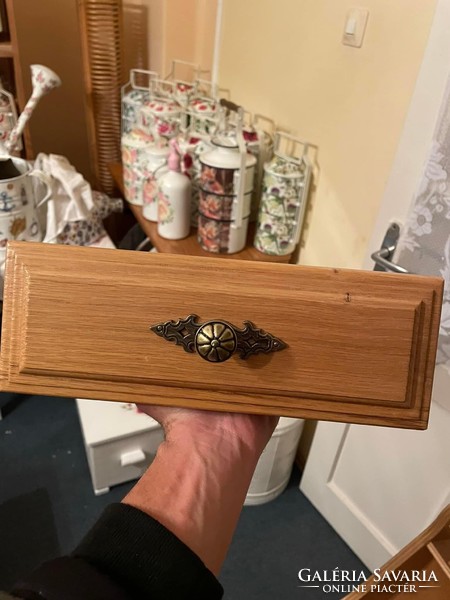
[120,442]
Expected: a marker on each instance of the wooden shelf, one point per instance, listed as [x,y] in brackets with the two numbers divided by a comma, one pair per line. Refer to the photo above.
[189,245]
[422,554]
[6,50]
[439,558]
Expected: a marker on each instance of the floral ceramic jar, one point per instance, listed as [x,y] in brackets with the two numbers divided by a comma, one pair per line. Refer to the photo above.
[206,107]
[221,207]
[161,118]
[221,237]
[131,106]
[204,114]
[134,95]
[282,206]
[133,161]
[184,91]
[259,142]
[224,203]
[141,156]
[155,168]
[220,168]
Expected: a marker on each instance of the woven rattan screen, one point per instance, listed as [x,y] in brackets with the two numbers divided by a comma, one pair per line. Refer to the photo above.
[101,34]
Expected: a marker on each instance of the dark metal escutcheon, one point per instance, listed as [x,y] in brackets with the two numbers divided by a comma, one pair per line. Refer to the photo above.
[216,341]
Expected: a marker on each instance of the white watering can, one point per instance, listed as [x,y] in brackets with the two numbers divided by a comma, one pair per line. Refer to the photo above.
[18,214]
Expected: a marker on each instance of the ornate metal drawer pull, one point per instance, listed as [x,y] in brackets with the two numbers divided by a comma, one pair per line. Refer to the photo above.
[216,341]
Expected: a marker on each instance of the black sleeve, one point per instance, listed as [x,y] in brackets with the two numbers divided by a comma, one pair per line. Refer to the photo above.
[126,555]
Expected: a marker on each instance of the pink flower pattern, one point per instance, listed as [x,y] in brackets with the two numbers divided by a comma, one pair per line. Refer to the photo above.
[213,236]
[216,207]
[165,209]
[217,181]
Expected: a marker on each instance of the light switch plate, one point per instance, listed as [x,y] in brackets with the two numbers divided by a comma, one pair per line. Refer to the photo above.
[355,27]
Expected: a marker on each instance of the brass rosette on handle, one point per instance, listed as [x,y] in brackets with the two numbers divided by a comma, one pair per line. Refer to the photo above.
[216,341]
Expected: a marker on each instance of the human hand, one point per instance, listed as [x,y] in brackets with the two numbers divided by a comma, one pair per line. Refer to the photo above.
[253,431]
[197,484]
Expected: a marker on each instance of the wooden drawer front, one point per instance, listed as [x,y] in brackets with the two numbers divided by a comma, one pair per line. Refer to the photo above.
[361,345]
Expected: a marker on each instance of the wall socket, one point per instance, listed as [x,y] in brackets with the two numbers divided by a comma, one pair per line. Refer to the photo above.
[355,27]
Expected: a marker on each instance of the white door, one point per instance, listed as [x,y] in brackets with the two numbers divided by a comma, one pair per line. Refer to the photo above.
[379,487]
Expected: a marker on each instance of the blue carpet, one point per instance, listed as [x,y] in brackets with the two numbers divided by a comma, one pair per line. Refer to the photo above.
[47,504]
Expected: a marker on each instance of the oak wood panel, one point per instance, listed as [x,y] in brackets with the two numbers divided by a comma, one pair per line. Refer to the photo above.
[189,245]
[361,345]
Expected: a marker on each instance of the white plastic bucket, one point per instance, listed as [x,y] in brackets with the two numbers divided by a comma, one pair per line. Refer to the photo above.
[275,464]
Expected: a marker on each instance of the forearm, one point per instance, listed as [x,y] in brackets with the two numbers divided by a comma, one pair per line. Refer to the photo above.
[178,518]
[196,487]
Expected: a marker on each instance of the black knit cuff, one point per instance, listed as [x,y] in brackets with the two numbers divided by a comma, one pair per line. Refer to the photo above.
[69,579]
[145,558]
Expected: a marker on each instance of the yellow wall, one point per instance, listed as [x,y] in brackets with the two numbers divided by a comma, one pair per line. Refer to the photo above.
[136,24]
[180,29]
[285,59]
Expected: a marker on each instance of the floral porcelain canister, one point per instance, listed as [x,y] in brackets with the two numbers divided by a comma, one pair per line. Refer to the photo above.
[221,207]
[221,236]
[155,168]
[161,118]
[135,94]
[203,115]
[220,168]
[134,159]
[204,106]
[184,91]
[224,202]
[283,202]
[132,102]
[260,144]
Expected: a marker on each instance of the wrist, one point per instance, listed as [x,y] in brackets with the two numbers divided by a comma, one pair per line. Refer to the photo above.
[241,437]
[198,481]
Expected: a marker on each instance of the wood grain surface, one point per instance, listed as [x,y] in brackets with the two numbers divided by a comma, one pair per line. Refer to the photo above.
[361,345]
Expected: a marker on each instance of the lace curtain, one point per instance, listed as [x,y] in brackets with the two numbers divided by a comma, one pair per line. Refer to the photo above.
[424,245]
